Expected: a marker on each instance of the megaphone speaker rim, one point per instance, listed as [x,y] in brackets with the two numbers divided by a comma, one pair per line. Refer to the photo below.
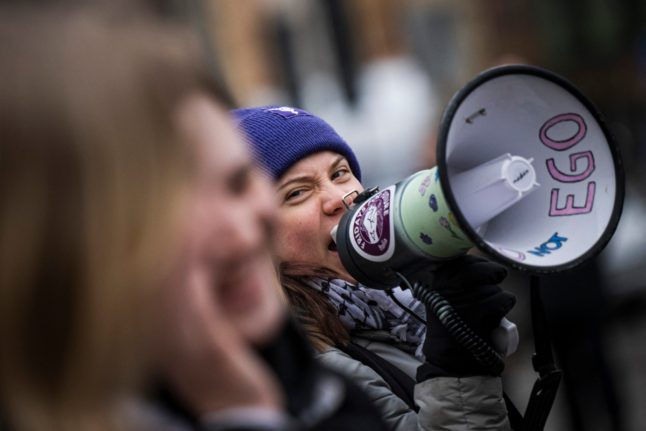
[441,152]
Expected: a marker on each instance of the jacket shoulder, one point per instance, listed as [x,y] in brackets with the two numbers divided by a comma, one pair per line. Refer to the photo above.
[396,356]
[395,412]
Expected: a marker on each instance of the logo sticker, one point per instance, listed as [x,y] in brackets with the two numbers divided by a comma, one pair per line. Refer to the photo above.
[554,243]
[372,227]
[287,112]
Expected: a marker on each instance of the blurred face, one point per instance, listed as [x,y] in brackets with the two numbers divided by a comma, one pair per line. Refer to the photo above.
[230,215]
[310,196]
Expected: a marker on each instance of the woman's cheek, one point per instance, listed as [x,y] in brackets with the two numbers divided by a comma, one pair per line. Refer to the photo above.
[292,246]
[297,234]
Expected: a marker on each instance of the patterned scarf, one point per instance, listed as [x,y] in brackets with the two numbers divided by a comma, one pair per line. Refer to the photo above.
[361,308]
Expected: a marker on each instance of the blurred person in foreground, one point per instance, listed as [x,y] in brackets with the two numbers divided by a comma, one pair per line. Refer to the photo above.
[136,285]
[413,370]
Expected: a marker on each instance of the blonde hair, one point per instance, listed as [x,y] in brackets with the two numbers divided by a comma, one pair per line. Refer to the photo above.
[91,179]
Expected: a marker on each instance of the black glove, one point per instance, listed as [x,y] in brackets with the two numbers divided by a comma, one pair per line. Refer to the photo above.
[469,284]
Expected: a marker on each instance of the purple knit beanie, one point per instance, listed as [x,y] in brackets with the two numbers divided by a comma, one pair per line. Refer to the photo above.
[280,136]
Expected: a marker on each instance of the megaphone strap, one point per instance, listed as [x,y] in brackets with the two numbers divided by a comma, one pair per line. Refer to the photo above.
[545,388]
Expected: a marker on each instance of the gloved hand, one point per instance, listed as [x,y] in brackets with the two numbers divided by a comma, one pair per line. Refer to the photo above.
[469,284]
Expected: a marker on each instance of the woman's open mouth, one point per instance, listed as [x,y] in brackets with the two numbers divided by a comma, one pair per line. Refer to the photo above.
[332,246]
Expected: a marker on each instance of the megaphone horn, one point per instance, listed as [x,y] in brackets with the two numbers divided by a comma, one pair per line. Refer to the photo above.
[540,116]
[527,172]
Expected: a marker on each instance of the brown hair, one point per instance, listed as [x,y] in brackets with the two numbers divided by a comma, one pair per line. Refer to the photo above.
[91,180]
[312,308]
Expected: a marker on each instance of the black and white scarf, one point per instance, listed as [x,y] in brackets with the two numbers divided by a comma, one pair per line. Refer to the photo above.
[361,308]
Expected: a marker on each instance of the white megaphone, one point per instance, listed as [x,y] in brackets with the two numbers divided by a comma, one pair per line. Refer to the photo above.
[527,172]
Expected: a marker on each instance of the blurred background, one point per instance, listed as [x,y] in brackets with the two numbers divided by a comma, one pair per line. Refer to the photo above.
[382,71]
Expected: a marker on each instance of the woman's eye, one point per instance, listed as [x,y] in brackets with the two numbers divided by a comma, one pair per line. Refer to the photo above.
[339,173]
[294,194]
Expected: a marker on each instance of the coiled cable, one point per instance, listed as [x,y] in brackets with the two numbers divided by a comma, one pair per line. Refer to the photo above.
[459,330]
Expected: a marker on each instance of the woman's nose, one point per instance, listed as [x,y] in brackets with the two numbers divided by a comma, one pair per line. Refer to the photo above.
[335,200]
